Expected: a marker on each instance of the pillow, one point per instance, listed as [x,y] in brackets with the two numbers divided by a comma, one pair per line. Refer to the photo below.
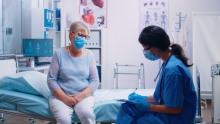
[31,82]
[2,84]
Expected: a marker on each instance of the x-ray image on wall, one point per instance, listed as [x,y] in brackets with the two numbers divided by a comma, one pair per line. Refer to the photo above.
[154,12]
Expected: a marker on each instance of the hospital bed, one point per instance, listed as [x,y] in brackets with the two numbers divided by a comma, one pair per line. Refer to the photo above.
[36,107]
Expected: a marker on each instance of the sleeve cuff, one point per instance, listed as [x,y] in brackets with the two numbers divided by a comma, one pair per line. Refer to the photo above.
[156,99]
[93,86]
[54,87]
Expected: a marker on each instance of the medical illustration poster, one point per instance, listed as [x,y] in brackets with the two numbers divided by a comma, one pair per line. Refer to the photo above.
[93,13]
[154,12]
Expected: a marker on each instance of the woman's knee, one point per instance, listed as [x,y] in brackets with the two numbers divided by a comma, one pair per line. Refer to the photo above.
[87,114]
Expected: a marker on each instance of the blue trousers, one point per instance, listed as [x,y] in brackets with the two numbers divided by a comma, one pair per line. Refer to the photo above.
[128,114]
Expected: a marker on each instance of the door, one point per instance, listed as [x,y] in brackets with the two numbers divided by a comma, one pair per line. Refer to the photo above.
[11,27]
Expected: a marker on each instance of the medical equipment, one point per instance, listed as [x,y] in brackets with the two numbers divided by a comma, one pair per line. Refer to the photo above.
[139,75]
[38,48]
[162,67]
[199,116]
[215,74]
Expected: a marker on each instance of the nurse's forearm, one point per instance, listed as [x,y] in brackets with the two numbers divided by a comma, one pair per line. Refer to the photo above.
[150,99]
[165,110]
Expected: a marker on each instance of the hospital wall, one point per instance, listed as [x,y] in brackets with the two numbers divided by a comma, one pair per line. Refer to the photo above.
[123,32]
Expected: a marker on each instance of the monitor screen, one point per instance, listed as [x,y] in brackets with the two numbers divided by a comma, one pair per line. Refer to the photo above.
[38,47]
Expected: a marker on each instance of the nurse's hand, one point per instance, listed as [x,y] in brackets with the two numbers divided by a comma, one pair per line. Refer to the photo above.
[134,96]
[140,105]
[69,101]
[78,97]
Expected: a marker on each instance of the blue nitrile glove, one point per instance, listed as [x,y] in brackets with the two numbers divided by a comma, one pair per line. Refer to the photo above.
[140,105]
[134,96]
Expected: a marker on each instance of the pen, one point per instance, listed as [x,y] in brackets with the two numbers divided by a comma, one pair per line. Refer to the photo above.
[135,90]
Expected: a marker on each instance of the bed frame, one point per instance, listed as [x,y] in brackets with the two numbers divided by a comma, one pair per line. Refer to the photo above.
[11,112]
[31,117]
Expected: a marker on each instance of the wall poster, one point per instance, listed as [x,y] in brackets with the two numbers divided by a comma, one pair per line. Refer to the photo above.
[94,13]
[154,12]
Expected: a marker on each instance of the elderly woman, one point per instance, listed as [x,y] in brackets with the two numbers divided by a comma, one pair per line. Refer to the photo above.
[73,78]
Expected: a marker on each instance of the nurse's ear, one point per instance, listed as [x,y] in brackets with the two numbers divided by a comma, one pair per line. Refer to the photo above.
[154,50]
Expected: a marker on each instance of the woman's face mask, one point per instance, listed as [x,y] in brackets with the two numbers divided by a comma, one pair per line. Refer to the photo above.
[79,42]
[149,55]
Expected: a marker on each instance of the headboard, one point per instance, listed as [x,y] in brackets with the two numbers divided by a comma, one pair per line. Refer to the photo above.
[8,66]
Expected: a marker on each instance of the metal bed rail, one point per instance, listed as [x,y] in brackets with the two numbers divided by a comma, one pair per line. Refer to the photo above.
[31,117]
[214,71]
[199,116]
[139,74]
[10,56]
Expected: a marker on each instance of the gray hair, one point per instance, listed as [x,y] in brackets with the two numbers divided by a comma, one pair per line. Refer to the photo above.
[76,26]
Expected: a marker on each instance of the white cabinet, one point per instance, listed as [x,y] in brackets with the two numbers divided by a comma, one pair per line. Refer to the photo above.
[57,23]
[97,54]
[98,45]
[95,40]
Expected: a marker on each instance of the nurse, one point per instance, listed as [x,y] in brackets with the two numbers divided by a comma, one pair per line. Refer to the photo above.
[174,99]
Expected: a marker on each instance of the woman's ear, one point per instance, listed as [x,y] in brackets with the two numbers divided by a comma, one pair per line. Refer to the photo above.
[70,36]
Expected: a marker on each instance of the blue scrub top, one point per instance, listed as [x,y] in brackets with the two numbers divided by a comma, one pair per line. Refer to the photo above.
[178,91]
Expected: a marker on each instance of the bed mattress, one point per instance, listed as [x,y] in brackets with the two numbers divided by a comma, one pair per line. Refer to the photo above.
[105,108]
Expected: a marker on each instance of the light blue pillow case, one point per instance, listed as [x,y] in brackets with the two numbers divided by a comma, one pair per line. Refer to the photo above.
[2,84]
[31,82]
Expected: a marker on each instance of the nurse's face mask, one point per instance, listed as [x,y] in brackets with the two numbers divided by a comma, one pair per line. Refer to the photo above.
[80,40]
[149,55]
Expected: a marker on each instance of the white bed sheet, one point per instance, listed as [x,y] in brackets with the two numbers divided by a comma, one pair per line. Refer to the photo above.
[110,94]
